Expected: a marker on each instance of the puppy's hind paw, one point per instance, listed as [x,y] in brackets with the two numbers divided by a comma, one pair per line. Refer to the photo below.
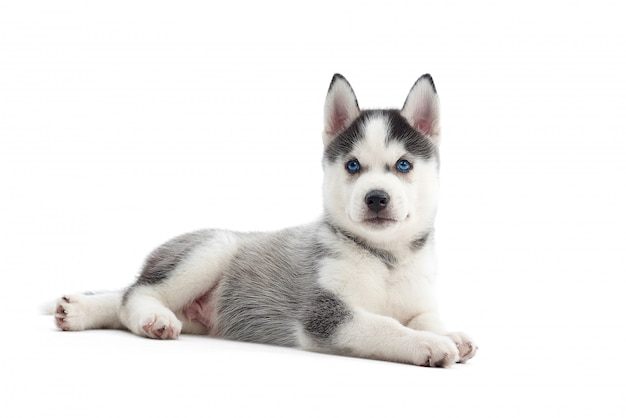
[162,327]
[68,313]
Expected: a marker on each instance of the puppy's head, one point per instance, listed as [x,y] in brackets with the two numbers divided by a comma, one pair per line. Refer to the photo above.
[381,166]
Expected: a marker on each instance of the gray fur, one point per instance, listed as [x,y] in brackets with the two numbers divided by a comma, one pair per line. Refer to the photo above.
[327,313]
[270,290]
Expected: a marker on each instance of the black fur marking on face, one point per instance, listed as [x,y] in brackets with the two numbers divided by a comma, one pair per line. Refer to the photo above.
[327,312]
[385,256]
[399,130]
[345,142]
[415,142]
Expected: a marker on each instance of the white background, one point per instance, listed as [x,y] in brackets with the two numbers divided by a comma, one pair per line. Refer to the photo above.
[124,123]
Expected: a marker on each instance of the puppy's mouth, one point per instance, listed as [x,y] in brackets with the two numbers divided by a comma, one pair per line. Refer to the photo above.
[379,221]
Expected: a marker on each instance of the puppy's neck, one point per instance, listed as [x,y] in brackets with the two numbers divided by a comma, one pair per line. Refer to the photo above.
[387,252]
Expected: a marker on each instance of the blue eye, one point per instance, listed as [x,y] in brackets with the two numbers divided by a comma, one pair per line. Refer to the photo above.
[403,166]
[353,166]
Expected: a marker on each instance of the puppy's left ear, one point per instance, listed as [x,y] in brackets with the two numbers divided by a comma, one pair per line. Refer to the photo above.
[421,108]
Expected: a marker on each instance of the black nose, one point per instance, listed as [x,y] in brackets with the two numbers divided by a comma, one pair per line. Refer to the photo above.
[377,200]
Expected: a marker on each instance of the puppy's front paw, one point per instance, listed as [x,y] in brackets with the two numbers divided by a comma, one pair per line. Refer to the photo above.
[464,343]
[69,313]
[164,327]
[437,351]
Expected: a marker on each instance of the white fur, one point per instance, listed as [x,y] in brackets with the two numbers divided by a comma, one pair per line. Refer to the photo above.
[80,312]
[382,337]
[145,314]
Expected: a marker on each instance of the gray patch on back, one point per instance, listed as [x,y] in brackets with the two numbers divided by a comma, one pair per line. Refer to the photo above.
[270,290]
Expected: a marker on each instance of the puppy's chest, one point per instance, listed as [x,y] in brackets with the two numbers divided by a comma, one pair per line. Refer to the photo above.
[400,291]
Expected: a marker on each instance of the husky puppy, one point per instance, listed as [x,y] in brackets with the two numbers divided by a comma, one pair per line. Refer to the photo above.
[358,282]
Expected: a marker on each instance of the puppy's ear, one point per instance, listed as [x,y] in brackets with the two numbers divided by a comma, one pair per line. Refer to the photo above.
[341,108]
[421,108]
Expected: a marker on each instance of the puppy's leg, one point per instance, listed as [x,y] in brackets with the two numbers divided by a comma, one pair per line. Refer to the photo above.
[144,313]
[364,334]
[385,338]
[429,321]
[88,311]
[184,270]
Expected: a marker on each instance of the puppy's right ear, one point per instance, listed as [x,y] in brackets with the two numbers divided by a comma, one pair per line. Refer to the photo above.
[341,108]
